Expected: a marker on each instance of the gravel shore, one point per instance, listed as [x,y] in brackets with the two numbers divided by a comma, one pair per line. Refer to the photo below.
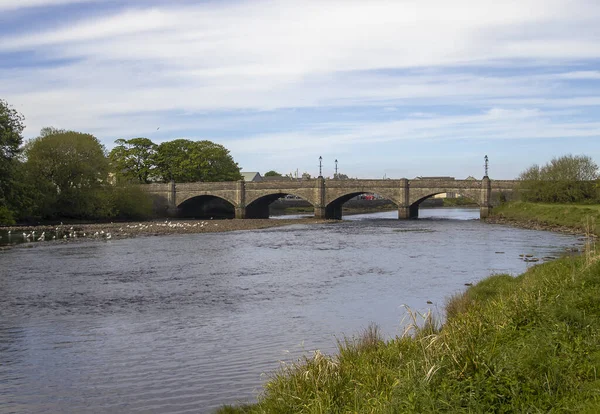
[123,230]
[534,225]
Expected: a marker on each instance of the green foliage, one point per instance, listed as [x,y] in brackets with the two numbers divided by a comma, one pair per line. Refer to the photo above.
[6,216]
[11,128]
[574,216]
[133,160]
[525,344]
[69,170]
[458,201]
[130,202]
[183,160]
[272,173]
[567,179]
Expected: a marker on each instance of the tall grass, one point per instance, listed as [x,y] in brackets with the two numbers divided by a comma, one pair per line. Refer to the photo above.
[574,216]
[524,344]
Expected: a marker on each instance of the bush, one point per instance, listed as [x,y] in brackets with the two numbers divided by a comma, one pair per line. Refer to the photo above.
[6,216]
[131,202]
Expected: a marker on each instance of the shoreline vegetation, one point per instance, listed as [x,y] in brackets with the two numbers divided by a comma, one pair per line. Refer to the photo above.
[563,218]
[529,343]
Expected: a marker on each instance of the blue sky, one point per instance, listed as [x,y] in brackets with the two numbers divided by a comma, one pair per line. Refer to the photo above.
[394,88]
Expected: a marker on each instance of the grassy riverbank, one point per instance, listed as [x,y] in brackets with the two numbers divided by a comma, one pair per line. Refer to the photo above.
[566,217]
[524,344]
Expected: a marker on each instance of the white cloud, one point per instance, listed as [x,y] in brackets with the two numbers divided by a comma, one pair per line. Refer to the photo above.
[8,5]
[125,73]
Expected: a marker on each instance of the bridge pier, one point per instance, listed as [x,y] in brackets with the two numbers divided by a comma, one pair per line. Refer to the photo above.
[320,207]
[404,209]
[172,210]
[240,208]
[403,213]
[485,205]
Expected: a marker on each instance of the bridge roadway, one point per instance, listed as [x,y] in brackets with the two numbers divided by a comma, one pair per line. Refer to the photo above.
[252,199]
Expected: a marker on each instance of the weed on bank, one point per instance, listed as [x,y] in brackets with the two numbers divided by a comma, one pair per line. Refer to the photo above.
[524,344]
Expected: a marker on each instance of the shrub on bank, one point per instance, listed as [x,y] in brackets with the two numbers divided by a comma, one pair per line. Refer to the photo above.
[524,344]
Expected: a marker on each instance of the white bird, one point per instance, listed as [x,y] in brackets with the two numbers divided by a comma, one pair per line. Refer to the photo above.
[108,236]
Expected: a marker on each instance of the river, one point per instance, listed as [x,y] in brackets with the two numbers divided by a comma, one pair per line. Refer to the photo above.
[185,323]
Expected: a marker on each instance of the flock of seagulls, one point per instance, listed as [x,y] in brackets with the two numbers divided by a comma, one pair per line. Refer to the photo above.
[64,233]
[58,233]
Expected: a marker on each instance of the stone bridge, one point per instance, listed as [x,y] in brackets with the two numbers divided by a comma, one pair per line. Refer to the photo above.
[252,199]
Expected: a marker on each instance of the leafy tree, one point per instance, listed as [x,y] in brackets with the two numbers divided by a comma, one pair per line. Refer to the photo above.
[133,159]
[51,131]
[272,173]
[183,160]
[570,168]
[70,170]
[564,179]
[11,128]
[531,173]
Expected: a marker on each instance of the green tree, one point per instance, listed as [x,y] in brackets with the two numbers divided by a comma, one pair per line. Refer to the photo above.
[564,179]
[183,160]
[11,129]
[272,173]
[133,159]
[570,168]
[70,170]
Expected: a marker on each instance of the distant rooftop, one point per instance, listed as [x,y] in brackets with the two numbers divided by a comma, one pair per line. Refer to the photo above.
[251,176]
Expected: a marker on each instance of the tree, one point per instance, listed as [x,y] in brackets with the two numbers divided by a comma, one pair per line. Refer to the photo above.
[133,159]
[570,168]
[272,173]
[70,170]
[11,128]
[564,179]
[183,160]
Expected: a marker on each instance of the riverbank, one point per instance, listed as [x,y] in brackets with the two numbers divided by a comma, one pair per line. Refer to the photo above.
[564,218]
[71,232]
[530,343]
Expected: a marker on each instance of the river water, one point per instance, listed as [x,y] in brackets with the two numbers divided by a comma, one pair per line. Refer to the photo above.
[185,323]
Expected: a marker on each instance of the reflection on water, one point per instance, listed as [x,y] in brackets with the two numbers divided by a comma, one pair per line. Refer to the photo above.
[185,323]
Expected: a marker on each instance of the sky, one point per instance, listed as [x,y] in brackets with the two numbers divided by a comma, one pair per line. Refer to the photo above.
[390,89]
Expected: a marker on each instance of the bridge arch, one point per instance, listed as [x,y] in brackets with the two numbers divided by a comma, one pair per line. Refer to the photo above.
[258,207]
[333,209]
[474,195]
[206,206]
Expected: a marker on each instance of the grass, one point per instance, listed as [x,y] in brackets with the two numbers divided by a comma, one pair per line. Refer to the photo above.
[575,216]
[525,344]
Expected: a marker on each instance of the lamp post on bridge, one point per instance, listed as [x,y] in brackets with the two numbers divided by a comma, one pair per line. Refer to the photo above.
[486,165]
[320,166]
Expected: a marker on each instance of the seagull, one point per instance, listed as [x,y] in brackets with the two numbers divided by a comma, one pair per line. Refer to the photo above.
[157,128]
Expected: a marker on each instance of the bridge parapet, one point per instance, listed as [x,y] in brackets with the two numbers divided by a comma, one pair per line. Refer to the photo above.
[204,186]
[426,183]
